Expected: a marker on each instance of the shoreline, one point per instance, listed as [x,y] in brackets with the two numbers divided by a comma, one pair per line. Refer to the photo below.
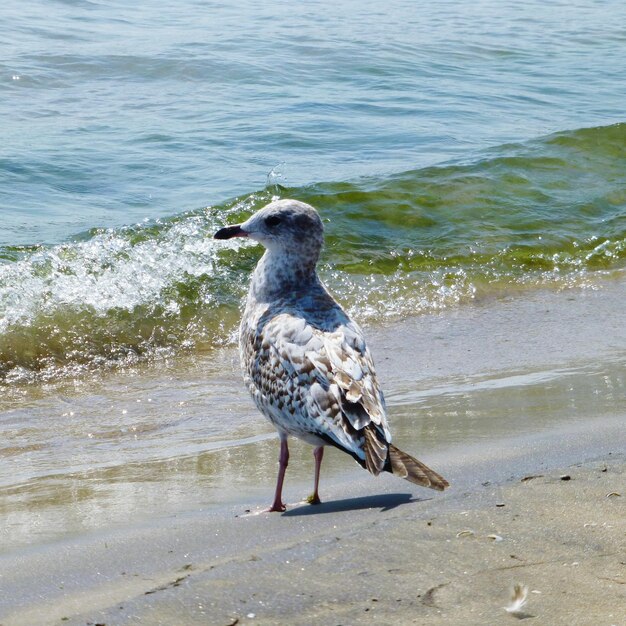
[486,395]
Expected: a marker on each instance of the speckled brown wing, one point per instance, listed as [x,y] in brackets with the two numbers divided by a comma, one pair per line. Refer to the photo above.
[323,382]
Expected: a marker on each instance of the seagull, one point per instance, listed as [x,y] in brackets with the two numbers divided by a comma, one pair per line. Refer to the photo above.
[304,360]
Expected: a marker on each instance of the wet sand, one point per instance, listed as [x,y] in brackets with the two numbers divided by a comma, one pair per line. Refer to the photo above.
[502,390]
[374,552]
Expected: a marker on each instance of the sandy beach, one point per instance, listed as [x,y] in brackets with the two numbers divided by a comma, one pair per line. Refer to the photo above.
[523,412]
[385,556]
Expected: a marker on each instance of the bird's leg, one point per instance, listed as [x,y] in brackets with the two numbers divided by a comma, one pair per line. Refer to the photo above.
[318,453]
[283,461]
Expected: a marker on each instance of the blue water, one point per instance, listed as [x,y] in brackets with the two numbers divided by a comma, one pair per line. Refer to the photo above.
[454,149]
[114,112]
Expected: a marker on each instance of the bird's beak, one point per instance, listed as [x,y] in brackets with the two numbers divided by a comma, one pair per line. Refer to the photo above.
[229,232]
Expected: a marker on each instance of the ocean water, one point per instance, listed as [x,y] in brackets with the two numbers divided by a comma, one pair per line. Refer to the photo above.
[550,212]
[453,151]
[457,152]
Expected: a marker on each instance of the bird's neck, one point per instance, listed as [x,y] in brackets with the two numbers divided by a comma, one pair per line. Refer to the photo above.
[279,275]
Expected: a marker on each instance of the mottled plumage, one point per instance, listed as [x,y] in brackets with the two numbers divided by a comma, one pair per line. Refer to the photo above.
[304,360]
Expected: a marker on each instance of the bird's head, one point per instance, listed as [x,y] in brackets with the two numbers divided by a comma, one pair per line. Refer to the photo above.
[283,226]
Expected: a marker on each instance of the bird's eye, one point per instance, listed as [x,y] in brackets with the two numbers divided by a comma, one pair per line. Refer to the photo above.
[272,220]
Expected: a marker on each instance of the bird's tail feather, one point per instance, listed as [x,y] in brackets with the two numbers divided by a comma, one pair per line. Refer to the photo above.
[375,448]
[405,466]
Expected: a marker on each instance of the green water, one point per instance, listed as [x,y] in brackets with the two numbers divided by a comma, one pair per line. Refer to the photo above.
[549,212]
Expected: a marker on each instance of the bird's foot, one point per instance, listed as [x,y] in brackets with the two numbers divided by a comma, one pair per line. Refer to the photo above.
[277,507]
[313,499]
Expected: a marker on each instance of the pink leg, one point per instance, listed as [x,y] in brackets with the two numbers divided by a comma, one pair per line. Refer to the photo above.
[318,453]
[283,461]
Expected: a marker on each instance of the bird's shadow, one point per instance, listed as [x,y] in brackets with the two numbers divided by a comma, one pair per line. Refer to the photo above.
[384,502]
[521,616]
